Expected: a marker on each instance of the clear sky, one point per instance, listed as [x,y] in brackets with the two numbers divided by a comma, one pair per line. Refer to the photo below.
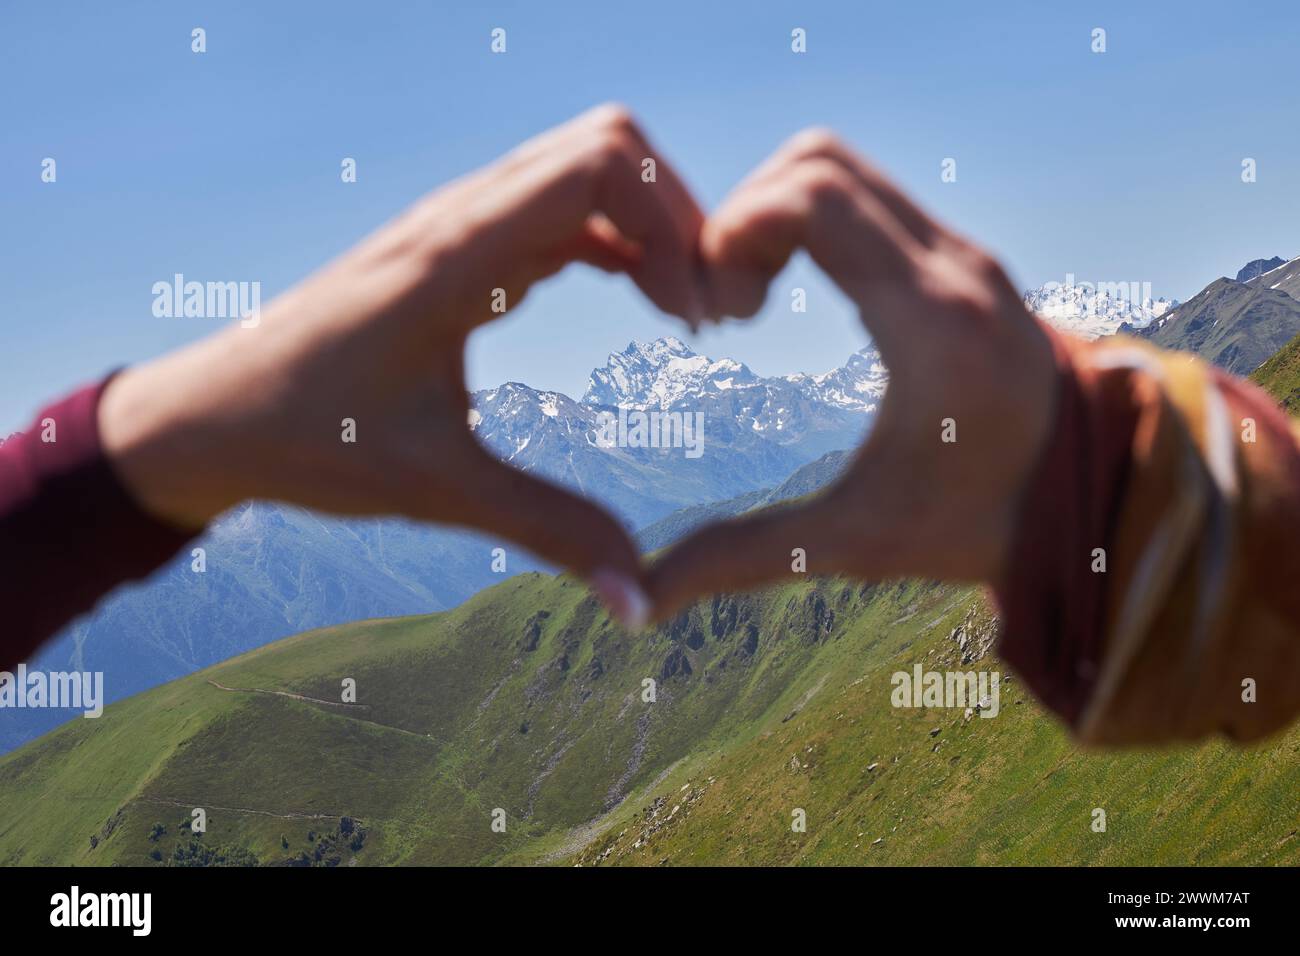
[1122,166]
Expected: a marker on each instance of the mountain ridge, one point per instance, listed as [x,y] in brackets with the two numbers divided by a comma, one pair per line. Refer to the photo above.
[1235,325]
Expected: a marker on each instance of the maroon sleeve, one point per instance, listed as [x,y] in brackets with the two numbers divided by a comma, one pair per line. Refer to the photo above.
[69,530]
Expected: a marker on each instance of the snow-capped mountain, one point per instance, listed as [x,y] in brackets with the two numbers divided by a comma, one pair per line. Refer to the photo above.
[858,385]
[1092,310]
[657,374]
[752,430]
[666,372]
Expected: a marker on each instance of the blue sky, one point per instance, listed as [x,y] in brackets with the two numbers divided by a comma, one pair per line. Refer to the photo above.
[1123,166]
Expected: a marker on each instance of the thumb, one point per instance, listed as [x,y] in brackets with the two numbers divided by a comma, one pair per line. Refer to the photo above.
[806,536]
[558,526]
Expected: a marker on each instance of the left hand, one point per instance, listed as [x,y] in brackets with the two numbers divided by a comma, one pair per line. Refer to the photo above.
[379,337]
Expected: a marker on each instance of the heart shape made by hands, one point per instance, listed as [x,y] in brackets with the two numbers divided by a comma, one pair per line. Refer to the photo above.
[933,490]
[375,342]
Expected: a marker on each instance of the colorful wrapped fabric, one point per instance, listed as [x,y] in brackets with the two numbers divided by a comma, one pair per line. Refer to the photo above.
[1152,590]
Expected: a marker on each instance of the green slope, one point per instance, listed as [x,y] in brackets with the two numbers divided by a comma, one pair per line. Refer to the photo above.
[879,786]
[528,699]
[1280,376]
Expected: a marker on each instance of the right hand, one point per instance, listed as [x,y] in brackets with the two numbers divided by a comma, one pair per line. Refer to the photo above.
[959,344]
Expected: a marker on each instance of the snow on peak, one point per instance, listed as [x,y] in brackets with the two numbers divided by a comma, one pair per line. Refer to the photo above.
[858,384]
[544,429]
[516,401]
[1092,310]
[666,372]
[659,374]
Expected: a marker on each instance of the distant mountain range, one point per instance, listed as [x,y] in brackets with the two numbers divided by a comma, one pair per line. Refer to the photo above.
[1233,323]
[1093,310]
[756,430]
[810,478]
[273,570]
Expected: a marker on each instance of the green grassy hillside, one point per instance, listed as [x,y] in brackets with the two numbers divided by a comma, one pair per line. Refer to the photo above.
[888,786]
[1280,376]
[529,700]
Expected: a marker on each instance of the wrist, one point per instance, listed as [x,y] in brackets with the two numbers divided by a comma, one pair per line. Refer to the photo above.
[167,458]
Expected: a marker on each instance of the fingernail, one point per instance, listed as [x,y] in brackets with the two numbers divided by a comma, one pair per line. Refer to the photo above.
[696,313]
[623,596]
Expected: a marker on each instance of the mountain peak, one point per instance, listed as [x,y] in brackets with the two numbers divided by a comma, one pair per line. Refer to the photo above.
[859,384]
[866,358]
[1257,267]
[658,373]
[659,350]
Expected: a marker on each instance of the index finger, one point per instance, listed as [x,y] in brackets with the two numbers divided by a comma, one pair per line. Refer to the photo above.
[531,206]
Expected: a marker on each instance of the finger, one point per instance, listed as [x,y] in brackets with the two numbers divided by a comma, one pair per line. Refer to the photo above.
[818,205]
[528,209]
[600,244]
[753,550]
[554,524]
[659,213]
[813,144]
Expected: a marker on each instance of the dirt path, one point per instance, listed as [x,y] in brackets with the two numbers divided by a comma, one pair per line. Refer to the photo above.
[260,813]
[317,700]
[285,693]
